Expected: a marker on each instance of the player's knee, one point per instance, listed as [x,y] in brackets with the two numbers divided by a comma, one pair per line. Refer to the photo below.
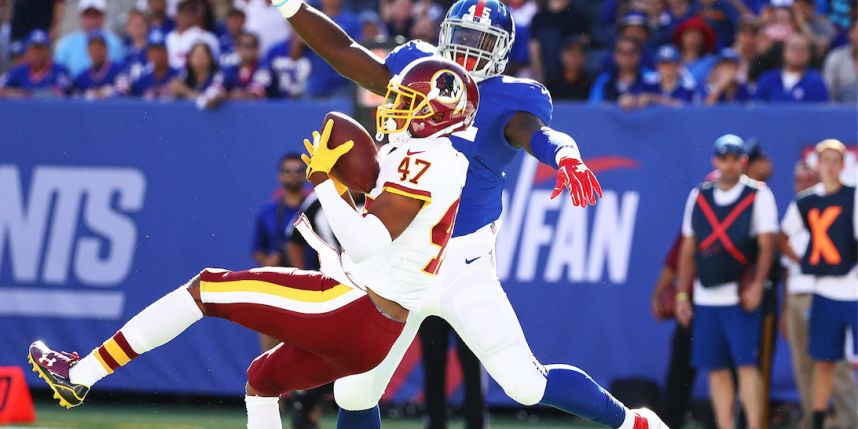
[258,382]
[193,287]
[526,388]
[353,396]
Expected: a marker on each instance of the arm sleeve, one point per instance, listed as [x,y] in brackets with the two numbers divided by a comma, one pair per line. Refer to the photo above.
[687,230]
[791,223]
[360,236]
[764,219]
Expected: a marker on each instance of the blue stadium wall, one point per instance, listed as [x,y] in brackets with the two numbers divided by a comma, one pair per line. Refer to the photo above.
[106,207]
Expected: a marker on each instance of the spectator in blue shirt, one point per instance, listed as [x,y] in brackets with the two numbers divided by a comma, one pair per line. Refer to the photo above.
[234,23]
[724,85]
[37,76]
[324,81]
[249,79]
[71,50]
[671,85]
[136,42]
[289,67]
[159,19]
[99,80]
[274,219]
[796,81]
[625,80]
[155,80]
[696,41]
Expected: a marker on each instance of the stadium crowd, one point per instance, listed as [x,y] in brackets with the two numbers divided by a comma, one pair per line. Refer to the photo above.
[631,52]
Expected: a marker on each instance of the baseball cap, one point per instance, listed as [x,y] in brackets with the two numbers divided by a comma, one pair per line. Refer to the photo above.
[729,144]
[96,36]
[754,150]
[728,54]
[832,144]
[156,39]
[781,3]
[99,5]
[38,37]
[667,53]
[633,18]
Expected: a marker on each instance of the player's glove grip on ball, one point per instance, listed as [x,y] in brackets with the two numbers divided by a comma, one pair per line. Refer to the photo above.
[320,157]
[582,184]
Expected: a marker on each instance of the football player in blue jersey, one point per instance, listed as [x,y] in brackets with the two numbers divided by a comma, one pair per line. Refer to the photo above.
[514,114]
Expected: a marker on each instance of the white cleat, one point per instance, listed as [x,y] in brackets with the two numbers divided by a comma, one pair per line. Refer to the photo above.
[647,419]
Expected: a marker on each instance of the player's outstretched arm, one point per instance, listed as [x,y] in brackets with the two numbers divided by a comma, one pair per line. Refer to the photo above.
[334,45]
[559,150]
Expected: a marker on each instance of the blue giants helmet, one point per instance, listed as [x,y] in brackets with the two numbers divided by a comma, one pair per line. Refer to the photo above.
[478,35]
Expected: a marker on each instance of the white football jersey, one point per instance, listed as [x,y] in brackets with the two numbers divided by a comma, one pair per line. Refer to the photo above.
[426,169]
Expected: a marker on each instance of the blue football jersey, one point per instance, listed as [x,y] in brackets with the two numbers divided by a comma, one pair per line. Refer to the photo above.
[484,144]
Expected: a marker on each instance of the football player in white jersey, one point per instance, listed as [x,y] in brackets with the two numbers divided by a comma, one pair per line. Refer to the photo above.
[344,319]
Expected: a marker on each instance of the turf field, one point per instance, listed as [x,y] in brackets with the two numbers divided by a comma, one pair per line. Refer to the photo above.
[93,416]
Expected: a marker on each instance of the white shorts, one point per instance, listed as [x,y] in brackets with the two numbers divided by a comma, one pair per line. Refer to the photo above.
[470,298]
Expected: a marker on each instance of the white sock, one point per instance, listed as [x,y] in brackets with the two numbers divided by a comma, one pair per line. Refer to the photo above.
[629,421]
[263,412]
[157,324]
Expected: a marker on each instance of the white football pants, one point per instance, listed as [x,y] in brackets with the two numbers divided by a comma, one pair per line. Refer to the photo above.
[469,297]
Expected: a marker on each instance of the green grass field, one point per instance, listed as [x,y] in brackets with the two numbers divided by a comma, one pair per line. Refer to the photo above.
[165,416]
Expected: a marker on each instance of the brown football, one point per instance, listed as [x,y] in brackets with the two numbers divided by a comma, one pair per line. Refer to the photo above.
[357,169]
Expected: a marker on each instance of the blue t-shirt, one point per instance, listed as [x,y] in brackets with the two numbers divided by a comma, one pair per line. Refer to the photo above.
[53,81]
[135,61]
[810,88]
[272,222]
[485,143]
[606,88]
[683,91]
[71,51]
[289,75]
[324,81]
[257,80]
[95,79]
[149,86]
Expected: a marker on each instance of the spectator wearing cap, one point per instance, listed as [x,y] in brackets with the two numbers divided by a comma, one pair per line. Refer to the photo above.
[37,76]
[234,23]
[158,16]
[550,28]
[99,80]
[574,82]
[155,80]
[727,318]
[827,211]
[795,81]
[840,70]
[249,79]
[815,25]
[696,41]
[72,50]
[324,81]
[796,307]
[670,85]
[724,85]
[136,41]
[188,33]
[626,80]
[29,15]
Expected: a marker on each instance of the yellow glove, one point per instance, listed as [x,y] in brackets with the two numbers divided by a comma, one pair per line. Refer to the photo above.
[321,158]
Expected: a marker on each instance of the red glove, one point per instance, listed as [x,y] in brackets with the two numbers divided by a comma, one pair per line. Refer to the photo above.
[579,180]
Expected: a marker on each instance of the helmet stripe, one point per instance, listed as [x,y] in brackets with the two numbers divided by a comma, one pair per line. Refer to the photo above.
[478,11]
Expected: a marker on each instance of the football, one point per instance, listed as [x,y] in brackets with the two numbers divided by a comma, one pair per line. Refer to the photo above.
[358,169]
